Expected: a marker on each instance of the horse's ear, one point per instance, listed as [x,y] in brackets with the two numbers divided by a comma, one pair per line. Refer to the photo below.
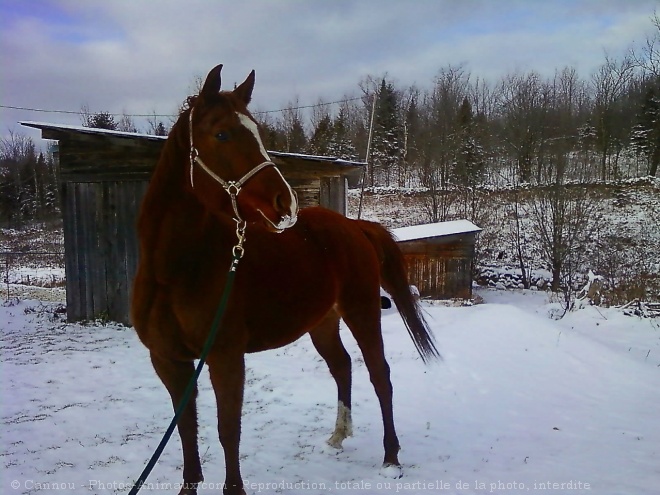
[212,84]
[244,91]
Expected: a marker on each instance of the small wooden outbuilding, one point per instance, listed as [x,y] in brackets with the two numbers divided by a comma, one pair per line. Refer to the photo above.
[440,257]
[103,176]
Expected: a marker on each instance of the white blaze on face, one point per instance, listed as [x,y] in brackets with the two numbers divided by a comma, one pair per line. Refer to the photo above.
[249,124]
[288,220]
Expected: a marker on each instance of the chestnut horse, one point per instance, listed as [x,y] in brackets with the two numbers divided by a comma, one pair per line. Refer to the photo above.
[214,174]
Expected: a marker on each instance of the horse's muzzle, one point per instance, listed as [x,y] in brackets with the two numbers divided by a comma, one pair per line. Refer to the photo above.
[286,205]
[287,221]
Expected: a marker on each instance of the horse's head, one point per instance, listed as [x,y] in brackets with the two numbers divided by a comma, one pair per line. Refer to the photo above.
[230,170]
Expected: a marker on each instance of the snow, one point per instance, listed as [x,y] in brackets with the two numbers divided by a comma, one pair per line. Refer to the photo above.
[321,158]
[91,130]
[29,275]
[434,230]
[520,402]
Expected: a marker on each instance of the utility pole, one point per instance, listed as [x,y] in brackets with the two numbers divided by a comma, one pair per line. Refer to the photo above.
[366,158]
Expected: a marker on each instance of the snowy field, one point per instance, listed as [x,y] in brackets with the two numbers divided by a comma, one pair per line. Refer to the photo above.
[521,403]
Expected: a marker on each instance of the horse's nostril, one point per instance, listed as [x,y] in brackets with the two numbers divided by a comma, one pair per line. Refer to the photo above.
[280,204]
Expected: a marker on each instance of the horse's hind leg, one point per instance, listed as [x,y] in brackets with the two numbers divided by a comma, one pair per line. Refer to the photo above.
[175,375]
[364,323]
[327,342]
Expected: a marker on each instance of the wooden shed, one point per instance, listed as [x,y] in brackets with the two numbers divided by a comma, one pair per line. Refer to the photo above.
[440,257]
[103,177]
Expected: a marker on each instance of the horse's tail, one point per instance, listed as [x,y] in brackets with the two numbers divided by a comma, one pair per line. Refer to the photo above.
[395,281]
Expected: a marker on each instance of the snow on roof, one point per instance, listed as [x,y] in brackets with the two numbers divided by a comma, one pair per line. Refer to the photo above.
[108,132]
[439,229]
[320,158]
[90,130]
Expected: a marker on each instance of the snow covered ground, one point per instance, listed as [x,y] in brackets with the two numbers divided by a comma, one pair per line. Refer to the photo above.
[520,403]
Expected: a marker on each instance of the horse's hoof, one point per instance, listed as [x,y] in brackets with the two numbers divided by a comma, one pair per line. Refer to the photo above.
[189,488]
[392,471]
[335,442]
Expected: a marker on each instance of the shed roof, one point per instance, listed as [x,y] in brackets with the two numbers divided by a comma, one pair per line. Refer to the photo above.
[58,130]
[430,230]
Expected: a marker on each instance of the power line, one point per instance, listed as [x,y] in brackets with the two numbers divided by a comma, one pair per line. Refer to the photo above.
[79,112]
[38,109]
[310,106]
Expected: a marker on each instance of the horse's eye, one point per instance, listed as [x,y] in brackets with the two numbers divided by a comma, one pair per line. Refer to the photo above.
[222,136]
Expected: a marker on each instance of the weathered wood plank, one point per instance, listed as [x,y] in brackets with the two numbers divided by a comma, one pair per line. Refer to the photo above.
[332,193]
[74,301]
[97,250]
[114,253]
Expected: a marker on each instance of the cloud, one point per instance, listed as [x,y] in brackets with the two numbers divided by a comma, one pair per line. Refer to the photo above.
[141,56]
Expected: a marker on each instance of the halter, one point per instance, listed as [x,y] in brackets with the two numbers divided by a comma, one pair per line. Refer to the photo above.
[232,187]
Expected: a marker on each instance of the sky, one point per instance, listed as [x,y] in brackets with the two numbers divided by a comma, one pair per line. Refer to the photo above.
[143,57]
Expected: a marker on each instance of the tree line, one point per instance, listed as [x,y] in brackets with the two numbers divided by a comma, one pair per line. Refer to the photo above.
[466,131]
[28,183]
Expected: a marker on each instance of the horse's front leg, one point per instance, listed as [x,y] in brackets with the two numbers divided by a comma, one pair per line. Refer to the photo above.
[227,371]
[175,375]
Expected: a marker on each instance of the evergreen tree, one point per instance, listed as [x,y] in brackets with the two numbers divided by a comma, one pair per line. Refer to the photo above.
[386,144]
[469,165]
[320,142]
[411,140]
[101,120]
[340,143]
[273,138]
[296,139]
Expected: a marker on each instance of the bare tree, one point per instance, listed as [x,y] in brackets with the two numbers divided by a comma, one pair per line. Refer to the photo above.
[320,111]
[126,123]
[609,85]
[293,127]
[516,236]
[438,198]
[524,101]
[565,219]
[85,115]
[439,140]
[649,58]
[156,126]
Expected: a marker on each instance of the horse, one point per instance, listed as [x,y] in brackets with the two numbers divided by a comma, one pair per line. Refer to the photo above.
[302,270]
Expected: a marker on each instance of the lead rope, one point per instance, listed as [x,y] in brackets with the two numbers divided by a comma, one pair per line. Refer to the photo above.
[237,253]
